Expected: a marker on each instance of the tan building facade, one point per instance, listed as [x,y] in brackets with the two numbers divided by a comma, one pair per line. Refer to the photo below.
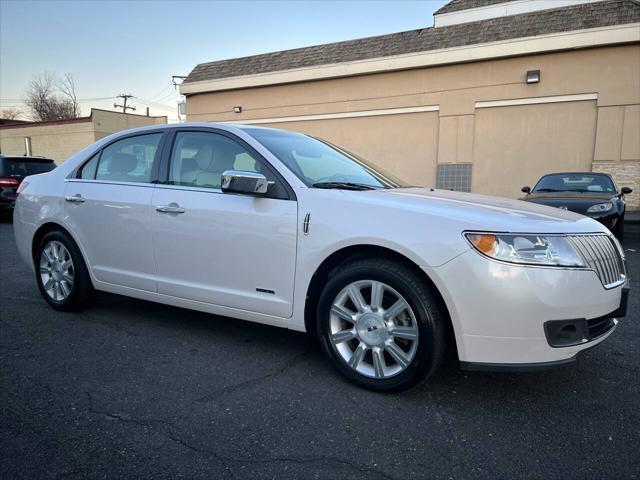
[61,139]
[462,117]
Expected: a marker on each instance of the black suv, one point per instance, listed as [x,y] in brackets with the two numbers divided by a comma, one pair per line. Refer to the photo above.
[12,171]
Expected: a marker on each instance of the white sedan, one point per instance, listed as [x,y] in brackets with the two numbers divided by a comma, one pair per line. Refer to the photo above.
[281,228]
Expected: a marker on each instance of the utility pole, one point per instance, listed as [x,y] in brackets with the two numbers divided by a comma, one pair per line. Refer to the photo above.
[124,107]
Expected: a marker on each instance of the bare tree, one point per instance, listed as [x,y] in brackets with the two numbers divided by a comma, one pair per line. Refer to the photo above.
[68,89]
[11,113]
[51,98]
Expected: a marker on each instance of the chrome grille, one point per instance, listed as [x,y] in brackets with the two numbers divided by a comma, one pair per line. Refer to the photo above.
[601,254]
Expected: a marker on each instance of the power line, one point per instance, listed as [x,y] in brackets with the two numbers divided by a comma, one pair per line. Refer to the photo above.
[124,107]
[161,106]
[161,93]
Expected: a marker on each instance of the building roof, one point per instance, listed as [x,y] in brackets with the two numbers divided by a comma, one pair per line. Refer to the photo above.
[25,124]
[457,5]
[578,17]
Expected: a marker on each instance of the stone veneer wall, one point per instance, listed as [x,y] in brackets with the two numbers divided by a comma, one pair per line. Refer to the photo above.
[625,174]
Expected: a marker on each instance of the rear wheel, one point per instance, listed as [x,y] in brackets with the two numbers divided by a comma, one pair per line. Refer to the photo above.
[381,325]
[61,273]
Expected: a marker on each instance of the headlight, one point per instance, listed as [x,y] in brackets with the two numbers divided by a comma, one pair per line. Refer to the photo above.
[600,207]
[527,249]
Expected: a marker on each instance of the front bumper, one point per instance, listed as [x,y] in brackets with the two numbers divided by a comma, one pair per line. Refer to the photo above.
[499,310]
[611,221]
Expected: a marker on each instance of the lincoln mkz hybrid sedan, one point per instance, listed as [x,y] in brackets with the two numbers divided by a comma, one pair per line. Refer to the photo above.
[288,230]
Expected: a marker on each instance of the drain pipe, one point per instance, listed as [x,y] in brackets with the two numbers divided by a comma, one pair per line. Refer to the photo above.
[27,146]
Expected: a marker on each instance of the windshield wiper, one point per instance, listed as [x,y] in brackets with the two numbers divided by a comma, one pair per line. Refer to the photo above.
[547,190]
[344,185]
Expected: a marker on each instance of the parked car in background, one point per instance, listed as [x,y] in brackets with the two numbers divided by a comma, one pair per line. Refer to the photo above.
[281,228]
[592,194]
[12,171]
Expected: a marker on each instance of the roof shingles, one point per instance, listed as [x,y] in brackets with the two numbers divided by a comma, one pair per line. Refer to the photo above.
[590,15]
[457,5]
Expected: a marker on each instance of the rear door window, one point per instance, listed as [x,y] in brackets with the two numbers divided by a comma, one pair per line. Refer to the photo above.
[128,160]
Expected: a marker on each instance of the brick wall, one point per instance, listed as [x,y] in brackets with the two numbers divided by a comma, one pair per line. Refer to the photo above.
[625,174]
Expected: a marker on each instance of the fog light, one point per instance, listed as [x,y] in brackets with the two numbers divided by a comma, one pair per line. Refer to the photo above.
[564,333]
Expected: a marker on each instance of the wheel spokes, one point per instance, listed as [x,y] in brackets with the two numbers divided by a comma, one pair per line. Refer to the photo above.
[408,333]
[56,271]
[356,297]
[49,255]
[398,354]
[377,291]
[64,287]
[358,355]
[49,284]
[395,309]
[343,336]
[378,362]
[370,316]
[343,313]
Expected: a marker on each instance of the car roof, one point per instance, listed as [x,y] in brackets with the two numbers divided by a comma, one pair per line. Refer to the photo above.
[576,173]
[28,158]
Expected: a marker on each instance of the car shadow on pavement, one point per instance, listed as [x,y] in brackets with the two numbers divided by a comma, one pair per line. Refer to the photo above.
[148,320]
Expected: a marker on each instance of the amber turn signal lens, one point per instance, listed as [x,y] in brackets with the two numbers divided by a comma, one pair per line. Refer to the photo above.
[483,242]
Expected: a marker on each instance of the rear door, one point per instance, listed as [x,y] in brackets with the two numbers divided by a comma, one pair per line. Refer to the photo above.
[226,249]
[108,208]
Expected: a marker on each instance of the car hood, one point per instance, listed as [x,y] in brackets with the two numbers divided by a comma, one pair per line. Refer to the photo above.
[473,211]
[588,197]
[574,201]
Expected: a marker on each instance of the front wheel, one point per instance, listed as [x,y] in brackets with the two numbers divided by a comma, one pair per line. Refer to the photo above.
[381,325]
[61,273]
[619,230]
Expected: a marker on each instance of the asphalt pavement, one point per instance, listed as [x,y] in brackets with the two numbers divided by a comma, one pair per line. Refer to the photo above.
[132,389]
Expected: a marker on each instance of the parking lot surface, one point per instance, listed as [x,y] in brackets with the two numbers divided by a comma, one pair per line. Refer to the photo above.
[132,389]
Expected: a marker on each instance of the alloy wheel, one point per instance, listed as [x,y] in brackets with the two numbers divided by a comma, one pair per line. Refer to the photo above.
[373,329]
[56,271]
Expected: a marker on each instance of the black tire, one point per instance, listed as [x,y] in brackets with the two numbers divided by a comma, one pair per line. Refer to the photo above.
[619,230]
[82,293]
[427,310]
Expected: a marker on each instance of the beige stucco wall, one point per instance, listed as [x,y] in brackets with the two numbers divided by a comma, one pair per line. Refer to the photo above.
[516,145]
[567,135]
[57,141]
[376,139]
[61,140]
[106,122]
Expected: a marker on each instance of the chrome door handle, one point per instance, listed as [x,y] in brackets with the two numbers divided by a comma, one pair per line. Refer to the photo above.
[77,198]
[170,209]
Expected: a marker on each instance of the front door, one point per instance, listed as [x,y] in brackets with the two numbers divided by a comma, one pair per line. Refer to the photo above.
[108,208]
[231,250]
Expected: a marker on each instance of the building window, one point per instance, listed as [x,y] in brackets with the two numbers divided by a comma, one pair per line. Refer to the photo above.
[454,176]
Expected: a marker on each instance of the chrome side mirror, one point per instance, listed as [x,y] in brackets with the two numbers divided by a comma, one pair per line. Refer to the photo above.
[240,181]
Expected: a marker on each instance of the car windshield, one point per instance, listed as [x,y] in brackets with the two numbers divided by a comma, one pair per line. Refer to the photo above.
[20,168]
[320,164]
[579,182]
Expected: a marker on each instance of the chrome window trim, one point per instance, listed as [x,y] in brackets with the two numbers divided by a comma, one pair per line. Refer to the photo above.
[110,182]
[168,186]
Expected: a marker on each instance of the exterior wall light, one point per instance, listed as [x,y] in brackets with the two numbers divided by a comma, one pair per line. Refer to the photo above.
[237,109]
[533,76]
